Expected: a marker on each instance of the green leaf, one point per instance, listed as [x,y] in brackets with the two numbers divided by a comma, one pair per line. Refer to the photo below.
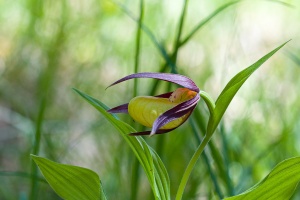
[70,182]
[231,89]
[280,184]
[149,160]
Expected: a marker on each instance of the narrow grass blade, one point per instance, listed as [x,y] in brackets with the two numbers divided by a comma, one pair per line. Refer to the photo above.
[70,182]
[151,36]
[280,184]
[150,161]
[206,20]
[179,32]
[232,88]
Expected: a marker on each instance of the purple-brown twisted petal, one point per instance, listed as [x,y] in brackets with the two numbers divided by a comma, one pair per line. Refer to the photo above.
[174,78]
[174,113]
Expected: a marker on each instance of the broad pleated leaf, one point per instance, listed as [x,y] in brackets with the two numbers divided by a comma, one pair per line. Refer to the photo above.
[232,88]
[70,182]
[149,160]
[278,185]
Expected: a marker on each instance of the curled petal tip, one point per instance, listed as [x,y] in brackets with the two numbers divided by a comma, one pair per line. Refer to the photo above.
[119,109]
[151,134]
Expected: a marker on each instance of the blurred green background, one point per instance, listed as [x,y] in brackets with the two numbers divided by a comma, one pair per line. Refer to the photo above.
[48,47]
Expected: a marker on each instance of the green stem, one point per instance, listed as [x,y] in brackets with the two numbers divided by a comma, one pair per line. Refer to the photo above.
[136,165]
[211,105]
[134,178]
[229,185]
[178,37]
[150,34]
[36,148]
[218,159]
[138,44]
[159,147]
[209,101]
[45,89]
[157,82]
[190,167]
[206,160]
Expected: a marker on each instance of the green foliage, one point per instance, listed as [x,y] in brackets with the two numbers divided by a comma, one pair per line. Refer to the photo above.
[231,89]
[279,184]
[70,182]
[150,161]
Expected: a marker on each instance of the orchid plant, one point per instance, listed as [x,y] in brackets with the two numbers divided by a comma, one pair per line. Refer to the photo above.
[164,113]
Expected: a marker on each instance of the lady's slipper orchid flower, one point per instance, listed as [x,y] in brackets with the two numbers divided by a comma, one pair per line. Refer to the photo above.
[165,112]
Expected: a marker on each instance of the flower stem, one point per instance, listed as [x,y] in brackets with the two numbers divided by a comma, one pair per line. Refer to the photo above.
[206,160]
[211,106]
[209,101]
[190,167]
